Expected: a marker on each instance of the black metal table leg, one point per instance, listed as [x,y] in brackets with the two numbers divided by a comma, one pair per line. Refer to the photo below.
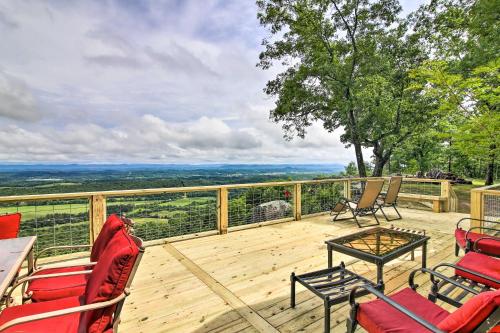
[292,286]
[327,315]
[380,276]
[330,259]
[424,255]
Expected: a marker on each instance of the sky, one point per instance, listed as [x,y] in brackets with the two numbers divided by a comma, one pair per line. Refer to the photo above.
[135,81]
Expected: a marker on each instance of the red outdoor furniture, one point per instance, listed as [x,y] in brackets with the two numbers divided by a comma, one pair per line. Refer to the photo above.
[9,225]
[474,273]
[65,281]
[98,309]
[408,311]
[473,240]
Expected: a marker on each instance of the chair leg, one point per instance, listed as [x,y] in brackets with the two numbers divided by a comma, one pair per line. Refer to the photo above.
[397,211]
[375,216]
[382,210]
[292,293]
[457,249]
[351,320]
[327,316]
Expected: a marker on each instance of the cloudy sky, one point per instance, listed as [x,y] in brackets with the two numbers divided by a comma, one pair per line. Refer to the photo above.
[142,81]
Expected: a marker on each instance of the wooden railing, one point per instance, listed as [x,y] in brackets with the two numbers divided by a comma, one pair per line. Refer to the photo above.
[485,204]
[185,212]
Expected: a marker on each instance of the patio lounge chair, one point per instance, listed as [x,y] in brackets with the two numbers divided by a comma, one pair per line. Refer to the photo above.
[389,198]
[471,240]
[474,270]
[97,310]
[9,225]
[366,205]
[61,284]
[408,311]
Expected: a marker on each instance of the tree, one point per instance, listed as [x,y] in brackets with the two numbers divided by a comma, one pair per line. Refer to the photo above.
[346,65]
[464,74]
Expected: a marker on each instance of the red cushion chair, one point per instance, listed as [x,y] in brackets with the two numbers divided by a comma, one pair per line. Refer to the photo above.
[408,311]
[47,289]
[106,284]
[470,240]
[9,225]
[480,263]
[379,317]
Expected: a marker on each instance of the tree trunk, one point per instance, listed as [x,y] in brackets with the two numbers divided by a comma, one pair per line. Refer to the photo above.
[359,159]
[490,168]
[381,159]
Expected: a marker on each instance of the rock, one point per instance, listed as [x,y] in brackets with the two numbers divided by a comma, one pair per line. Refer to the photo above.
[271,210]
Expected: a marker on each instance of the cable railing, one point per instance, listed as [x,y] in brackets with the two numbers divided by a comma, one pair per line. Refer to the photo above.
[485,203]
[169,214]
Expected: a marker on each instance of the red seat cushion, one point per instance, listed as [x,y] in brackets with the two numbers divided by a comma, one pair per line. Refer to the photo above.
[112,225]
[66,324]
[470,315]
[58,287]
[9,225]
[108,279]
[379,317]
[480,263]
[487,246]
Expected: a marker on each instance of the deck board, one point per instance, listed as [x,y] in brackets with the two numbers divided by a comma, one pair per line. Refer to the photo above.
[254,266]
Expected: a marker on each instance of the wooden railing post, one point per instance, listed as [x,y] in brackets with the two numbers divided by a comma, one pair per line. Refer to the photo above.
[297,202]
[445,192]
[347,189]
[97,216]
[222,210]
[476,207]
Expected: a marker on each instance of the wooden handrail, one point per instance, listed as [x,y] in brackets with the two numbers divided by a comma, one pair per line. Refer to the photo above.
[97,199]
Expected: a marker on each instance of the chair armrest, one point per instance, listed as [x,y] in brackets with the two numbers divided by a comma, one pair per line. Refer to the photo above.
[392,303]
[486,277]
[89,264]
[63,312]
[433,274]
[476,242]
[61,247]
[43,276]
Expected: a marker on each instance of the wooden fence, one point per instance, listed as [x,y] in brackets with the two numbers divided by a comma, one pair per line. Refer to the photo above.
[485,203]
[186,212]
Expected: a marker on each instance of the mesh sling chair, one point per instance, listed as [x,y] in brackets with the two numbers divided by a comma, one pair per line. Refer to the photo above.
[389,198]
[58,282]
[98,309]
[9,225]
[366,205]
[473,240]
[408,311]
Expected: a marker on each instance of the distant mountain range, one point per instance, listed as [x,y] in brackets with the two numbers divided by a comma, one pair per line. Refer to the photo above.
[229,168]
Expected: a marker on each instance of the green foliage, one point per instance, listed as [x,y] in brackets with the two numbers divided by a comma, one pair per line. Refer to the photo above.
[347,65]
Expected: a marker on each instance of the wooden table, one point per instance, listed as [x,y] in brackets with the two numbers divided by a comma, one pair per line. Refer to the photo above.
[12,254]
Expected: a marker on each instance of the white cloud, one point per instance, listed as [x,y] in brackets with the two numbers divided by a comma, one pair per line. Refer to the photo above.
[158,81]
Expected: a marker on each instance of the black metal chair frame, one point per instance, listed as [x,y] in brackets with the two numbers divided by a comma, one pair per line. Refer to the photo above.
[393,205]
[465,284]
[332,285]
[469,244]
[485,326]
[355,213]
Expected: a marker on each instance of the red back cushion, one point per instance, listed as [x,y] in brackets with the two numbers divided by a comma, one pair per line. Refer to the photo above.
[108,280]
[470,315]
[109,229]
[9,225]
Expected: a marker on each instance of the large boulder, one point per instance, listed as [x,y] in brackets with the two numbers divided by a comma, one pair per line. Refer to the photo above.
[271,210]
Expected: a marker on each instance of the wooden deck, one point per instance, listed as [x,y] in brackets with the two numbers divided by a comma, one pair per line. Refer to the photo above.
[239,282]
